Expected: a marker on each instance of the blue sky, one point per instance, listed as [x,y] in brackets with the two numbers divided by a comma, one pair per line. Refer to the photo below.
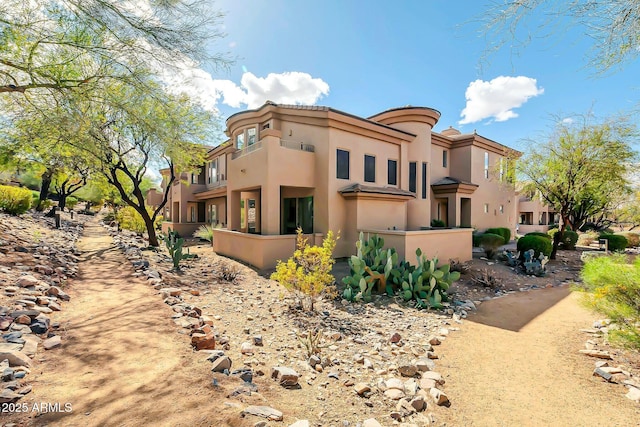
[364,57]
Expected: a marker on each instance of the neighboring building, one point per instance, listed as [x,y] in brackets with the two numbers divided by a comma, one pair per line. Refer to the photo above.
[534,214]
[322,169]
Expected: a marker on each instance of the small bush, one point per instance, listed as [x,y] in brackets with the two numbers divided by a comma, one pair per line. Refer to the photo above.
[308,271]
[475,239]
[71,202]
[612,287]
[204,232]
[501,231]
[437,223]
[14,200]
[587,238]
[552,232]
[616,241]
[540,234]
[490,243]
[633,239]
[569,239]
[541,245]
[130,219]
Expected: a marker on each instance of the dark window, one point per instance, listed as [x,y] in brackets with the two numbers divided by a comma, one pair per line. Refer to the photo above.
[392,172]
[297,212]
[424,180]
[444,158]
[369,168]
[412,176]
[342,164]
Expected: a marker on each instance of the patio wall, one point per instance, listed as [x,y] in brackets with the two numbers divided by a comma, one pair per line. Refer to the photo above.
[446,244]
[260,251]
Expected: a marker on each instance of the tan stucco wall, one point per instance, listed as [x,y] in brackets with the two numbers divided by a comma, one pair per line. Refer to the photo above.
[444,244]
[491,191]
[259,251]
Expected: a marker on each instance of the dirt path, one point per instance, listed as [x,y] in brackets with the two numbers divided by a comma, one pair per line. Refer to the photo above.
[516,363]
[121,362]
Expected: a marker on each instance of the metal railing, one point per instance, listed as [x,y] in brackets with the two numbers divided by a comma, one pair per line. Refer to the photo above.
[246,150]
[294,145]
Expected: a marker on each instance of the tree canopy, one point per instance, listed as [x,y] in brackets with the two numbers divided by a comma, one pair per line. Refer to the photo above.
[613,26]
[62,44]
[581,167]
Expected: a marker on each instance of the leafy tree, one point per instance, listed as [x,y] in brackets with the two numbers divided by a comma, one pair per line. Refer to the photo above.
[63,44]
[132,130]
[579,167]
[612,25]
[629,212]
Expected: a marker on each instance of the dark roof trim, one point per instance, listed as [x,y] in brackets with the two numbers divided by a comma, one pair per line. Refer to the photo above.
[359,188]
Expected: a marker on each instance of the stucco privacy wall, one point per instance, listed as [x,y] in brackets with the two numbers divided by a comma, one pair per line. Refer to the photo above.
[444,244]
[259,251]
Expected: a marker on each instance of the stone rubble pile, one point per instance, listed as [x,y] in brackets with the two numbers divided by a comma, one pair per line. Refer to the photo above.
[617,374]
[376,358]
[35,262]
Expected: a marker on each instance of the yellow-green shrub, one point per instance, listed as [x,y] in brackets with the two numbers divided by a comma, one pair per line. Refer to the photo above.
[612,287]
[130,219]
[14,200]
[308,271]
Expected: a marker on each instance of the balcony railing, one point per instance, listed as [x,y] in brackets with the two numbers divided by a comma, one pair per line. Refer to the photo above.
[294,145]
[246,150]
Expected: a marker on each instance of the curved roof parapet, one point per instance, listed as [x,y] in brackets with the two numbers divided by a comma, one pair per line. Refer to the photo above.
[426,115]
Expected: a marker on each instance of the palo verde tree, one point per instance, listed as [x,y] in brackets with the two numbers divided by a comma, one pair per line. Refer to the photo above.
[132,130]
[67,44]
[35,136]
[579,166]
[611,25]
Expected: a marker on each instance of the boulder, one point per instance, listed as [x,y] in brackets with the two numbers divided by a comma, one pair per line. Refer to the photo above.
[286,377]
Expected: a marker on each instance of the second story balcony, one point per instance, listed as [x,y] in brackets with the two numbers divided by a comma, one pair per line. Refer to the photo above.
[273,159]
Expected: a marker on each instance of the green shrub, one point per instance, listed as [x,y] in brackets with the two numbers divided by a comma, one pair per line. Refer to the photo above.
[130,219]
[541,245]
[633,239]
[71,202]
[616,241]
[539,233]
[308,272]
[437,223]
[14,200]
[552,232]
[475,239]
[490,243]
[204,232]
[569,239]
[612,287]
[501,231]
[587,238]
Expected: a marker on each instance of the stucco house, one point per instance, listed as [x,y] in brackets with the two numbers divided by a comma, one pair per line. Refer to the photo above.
[321,169]
[534,214]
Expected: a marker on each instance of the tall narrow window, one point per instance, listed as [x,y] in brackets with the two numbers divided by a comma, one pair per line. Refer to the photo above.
[369,168]
[392,172]
[251,136]
[444,158]
[501,209]
[194,178]
[486,164]
[412,176]
[240,141]
[213,171]
[486,208]
[424,180]
[501,169]
[342,164]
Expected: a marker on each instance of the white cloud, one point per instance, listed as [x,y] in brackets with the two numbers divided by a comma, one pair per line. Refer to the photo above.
[286,88]
[497,98]
[567,121]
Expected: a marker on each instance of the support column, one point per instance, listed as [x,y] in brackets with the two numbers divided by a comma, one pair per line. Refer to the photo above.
[270,209]
[233,211]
